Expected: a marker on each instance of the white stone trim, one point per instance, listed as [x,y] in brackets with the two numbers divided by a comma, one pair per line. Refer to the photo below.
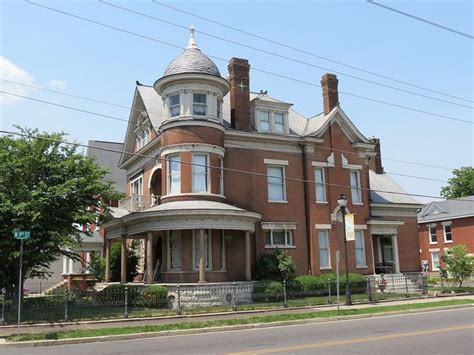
[447,223]
[322,226]
[346,165]
[360,226]
[433,249]
[192,147]
[279,225]
[275,162]
[190,121]
[387,223]
[193,194]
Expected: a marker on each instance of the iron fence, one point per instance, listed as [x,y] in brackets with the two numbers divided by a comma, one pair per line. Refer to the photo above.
[124,301]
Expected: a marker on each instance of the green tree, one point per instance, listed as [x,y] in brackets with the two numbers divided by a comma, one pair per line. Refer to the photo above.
[461,185]
[48,188]
[97,267]
[276,266]
[458,263]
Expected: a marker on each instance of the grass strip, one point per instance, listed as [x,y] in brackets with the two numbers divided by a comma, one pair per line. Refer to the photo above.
[229,322]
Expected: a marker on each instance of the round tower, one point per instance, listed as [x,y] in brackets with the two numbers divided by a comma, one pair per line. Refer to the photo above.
[192,129]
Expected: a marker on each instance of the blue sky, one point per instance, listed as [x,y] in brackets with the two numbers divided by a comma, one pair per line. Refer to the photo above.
[51,50]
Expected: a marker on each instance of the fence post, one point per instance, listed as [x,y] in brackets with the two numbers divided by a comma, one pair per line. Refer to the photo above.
[406,286]
[285,295]
[423,285]
[234,296]
[125,314]
[393,283]
[178,302]
[4,296]
[66,302]
[369,288]
[329,293]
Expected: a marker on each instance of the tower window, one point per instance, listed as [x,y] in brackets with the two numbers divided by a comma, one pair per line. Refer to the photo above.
[199,104]
[175,109]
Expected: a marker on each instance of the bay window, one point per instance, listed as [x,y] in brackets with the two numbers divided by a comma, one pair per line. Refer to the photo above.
[174,248]
[174,173]
[197,249]
[200,173]
[199,104]
[175,108]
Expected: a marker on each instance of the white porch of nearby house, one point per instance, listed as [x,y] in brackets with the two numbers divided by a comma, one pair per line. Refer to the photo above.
[385,246]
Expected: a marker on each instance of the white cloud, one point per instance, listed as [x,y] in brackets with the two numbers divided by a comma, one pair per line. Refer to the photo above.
[57,84]
[10,71]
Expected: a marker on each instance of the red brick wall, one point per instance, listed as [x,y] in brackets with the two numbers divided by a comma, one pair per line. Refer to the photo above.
[462,230]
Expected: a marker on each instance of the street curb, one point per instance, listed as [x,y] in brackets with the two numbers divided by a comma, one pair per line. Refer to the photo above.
[222,314]
[105,338]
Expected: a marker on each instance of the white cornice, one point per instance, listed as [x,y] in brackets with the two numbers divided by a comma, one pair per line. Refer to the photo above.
[191,122]
[151,148]
[376,222]
[192,147]
[447,218]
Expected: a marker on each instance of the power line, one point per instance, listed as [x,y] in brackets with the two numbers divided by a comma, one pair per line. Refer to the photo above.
[219,167]
[163,117]
[266,39]
[283,56]
[372,2]
[253,68]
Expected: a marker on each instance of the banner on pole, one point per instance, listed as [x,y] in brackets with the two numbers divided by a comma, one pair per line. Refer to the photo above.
[350,232]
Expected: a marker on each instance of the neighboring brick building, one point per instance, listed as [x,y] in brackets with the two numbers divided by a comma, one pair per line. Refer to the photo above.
[203,218]
[442,225]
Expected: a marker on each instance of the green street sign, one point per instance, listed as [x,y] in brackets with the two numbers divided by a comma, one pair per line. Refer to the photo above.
[22,234]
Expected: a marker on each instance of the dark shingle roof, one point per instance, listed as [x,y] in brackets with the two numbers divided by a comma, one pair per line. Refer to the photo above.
[442,210]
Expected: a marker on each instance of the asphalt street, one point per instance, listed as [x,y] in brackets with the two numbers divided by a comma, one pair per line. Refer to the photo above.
[434,332]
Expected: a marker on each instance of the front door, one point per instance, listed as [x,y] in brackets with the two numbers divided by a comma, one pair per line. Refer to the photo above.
[385,255]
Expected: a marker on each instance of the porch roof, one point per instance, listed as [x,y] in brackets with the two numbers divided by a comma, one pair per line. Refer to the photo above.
[176,215]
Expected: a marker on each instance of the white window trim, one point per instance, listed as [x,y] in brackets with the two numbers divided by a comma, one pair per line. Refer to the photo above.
[361,266]
[271,119]
[432,261]
[221,176]
[168,252]
[323,175]
[359,186]
[285,197]
[444,232]
[208,174]
[280,246]
[275,162]
[169,174]
[429,235]
[346,165]
[139,177]
[329,267]
[206,105]
[209,252]
[172,106]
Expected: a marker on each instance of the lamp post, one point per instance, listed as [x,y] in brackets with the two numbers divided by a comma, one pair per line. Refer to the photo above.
[342,202]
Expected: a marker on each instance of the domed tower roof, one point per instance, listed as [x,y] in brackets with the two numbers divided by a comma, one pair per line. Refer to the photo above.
[192,61]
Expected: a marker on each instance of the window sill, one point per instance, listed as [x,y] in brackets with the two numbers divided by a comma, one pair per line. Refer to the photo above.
[321,202]
[433,243]
[358,203]
[277,201]
[362,267]
[448,241]
[325,268]
[280,247]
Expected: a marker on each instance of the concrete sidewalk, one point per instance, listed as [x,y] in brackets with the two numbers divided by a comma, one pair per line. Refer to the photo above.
[113,323]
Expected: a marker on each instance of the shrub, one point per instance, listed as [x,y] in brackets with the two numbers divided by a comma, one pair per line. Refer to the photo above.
[274,292]
[459,264]
[155,296]
[277,266]
[312,284]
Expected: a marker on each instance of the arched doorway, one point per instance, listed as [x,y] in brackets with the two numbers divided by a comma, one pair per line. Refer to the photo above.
[155,187]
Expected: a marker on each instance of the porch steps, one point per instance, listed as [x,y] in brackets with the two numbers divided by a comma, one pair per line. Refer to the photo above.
[56,288]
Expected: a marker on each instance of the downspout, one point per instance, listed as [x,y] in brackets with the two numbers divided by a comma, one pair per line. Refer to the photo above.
[307,212]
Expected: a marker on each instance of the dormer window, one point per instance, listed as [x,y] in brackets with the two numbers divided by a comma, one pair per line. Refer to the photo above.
[175,107]
[271,121]
[199,104]
[143,137]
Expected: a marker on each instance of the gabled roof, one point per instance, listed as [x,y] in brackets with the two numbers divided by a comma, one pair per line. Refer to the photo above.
[447,209]
[383,182]
[145,99]
[109,160]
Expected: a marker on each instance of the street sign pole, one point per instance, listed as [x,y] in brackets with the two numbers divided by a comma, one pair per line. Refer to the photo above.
[337,280]
[20,286]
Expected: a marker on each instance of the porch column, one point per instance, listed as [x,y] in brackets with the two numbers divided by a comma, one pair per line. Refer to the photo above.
[379,251]
[395,253]
[123,260]
[107,260]
[202,260]
[248,271]
[149,258]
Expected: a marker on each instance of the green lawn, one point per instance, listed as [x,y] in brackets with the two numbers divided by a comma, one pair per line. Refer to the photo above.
[230,322]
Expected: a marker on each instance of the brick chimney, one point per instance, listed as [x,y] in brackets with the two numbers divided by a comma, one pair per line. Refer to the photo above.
[330,93]
[239,93]
[378,156]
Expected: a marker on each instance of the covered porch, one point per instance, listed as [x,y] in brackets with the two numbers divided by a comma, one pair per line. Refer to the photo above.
[385,246]
[185,241]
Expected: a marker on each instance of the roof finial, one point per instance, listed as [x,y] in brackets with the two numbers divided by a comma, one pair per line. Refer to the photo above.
[192,41]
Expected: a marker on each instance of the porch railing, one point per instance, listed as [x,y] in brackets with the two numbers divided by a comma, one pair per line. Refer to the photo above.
[137,203]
